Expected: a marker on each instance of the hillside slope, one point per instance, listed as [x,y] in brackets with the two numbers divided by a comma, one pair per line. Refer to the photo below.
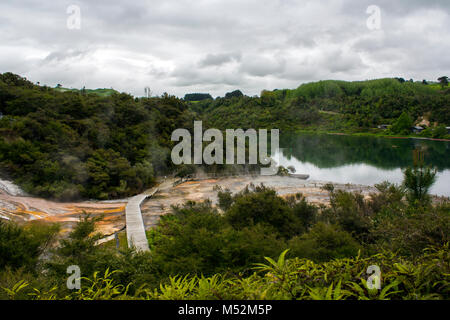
[331,105]
[68,145]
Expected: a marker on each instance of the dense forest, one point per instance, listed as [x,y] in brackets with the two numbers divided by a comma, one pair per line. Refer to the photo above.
[334,105]
[70,144]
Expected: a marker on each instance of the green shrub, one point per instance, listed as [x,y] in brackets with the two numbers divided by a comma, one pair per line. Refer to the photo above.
[261,205]
[195,238]
[324,242]
[410,234]
[21,246]
[351,211]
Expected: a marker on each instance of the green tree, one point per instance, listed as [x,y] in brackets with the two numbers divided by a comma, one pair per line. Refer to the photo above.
[418,180]
[439,132]
[323,243]
[443,81]
[235,93]
[21,246]
[261,205]
[77,249]
[403,124]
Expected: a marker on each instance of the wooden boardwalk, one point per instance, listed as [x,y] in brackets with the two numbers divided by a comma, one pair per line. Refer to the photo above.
[136,236]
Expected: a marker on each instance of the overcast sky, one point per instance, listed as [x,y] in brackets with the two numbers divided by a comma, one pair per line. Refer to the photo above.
[217,46]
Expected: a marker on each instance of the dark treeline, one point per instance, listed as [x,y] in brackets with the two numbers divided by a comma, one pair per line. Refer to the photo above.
[197,96]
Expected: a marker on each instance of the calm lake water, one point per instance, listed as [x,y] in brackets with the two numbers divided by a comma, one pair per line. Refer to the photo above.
[362,160]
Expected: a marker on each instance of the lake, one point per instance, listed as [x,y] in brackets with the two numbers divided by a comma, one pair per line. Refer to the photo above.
[362,159]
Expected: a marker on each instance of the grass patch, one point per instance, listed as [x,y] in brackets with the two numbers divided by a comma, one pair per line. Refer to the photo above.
[123,243]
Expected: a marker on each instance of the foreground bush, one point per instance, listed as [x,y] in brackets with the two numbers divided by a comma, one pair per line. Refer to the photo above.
[302,279]
[21,246]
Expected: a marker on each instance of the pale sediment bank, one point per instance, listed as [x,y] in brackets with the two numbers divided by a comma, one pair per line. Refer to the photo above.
[26,208]
[202,189]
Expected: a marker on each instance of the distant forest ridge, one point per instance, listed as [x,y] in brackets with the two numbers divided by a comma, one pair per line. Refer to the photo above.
[326,83]
[436,85]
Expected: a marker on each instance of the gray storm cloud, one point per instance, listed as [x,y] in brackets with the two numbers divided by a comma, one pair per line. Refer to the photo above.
[214,46]
[219,59]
